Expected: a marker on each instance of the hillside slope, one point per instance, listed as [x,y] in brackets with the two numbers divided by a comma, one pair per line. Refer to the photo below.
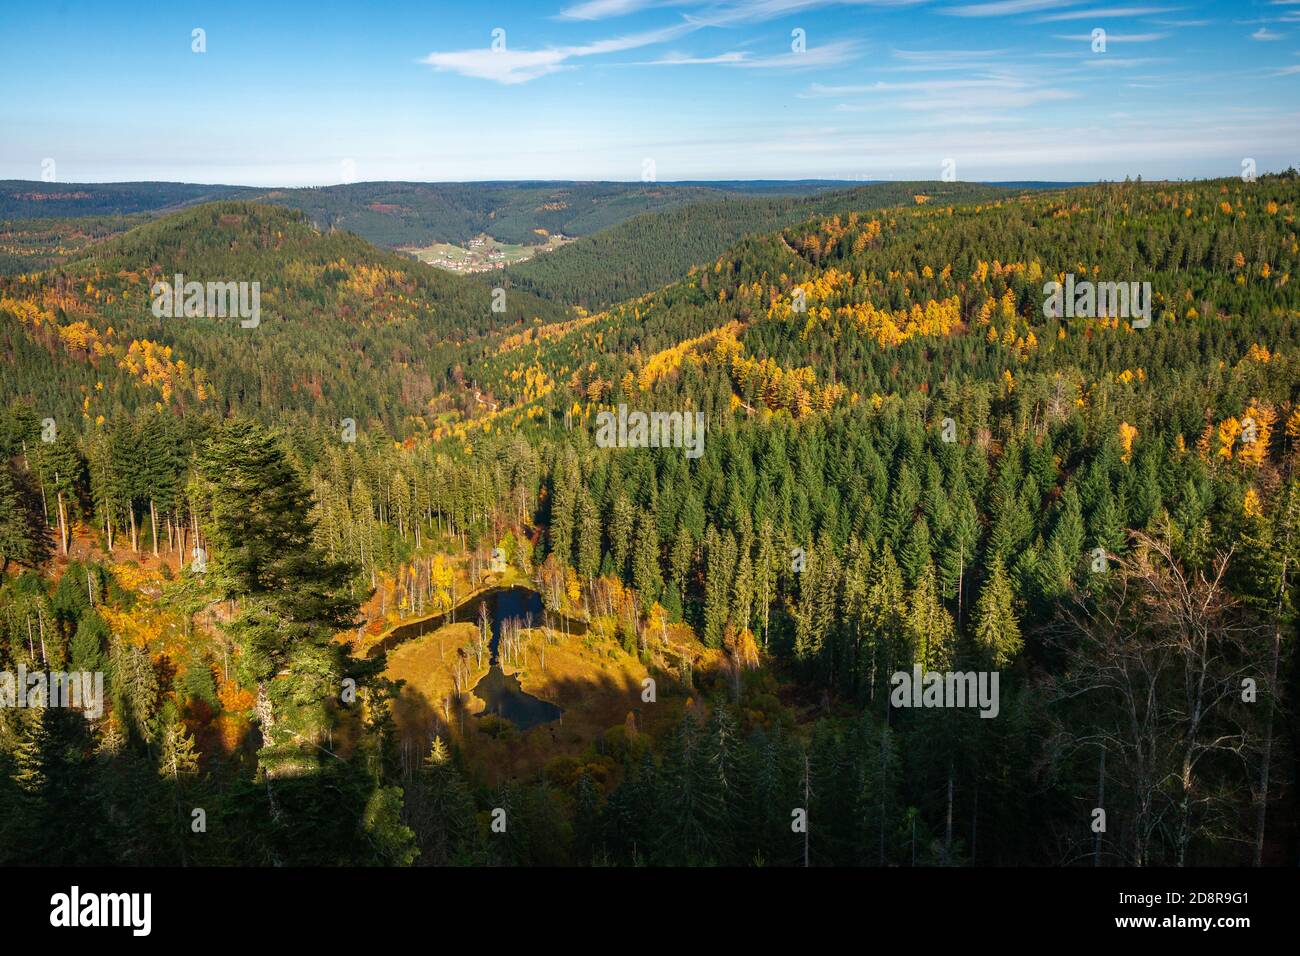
[906,463]
[344,329]
[648,251]
[397,214]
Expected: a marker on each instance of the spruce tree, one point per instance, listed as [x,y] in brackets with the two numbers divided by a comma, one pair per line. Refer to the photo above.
[996,630]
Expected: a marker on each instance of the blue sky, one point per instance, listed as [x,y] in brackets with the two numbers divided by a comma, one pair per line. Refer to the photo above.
[316,93]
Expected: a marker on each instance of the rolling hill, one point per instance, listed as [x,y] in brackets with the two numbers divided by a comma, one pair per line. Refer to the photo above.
[397,214]
[340,319]
[910,461]
[647,251]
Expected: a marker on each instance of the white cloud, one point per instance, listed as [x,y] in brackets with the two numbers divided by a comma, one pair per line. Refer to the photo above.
[971,96]
[719,12]
[681,59]
[1104,12]
[928,61]
[504,66]
[1002,8]
[1263,33]
[511,67]
[602,9]
[827,54]
[925,86]
[1114,37]
[1093,62]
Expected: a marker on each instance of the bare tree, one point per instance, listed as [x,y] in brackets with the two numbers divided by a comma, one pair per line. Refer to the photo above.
[484,631]
[1158,657]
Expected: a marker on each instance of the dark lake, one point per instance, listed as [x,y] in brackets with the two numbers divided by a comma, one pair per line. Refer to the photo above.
[503,696]
[501,693]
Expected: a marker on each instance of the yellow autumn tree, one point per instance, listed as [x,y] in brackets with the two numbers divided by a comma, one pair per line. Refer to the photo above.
[1256,433]
[1250,506]
[441,578]
[572,587]
[1127,433]
[1229,430]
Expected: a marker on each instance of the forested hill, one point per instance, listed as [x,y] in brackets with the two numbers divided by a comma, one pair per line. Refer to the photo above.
[400,214]
[897,302]
[419,214]
[653,249]
[345,329]
[24,199]
[908,462]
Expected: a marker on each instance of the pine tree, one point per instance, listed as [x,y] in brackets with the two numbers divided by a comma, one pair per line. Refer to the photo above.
[588,538]
[646,576]
[179,756]
[742,591]
[621,521]
[681,558]
[393,842]
[914,556]
[719,564]
[440,810]
[565,495]
[996,629]
[929,626]
[89,642]
[586,820]
[885,613]
[689,803]
[292,598]
[23,536]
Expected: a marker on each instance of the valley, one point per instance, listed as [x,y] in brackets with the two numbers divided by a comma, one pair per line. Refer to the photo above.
[483,253]
[260,534]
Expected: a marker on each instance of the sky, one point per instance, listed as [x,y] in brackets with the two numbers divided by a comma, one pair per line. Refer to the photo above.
[315,93]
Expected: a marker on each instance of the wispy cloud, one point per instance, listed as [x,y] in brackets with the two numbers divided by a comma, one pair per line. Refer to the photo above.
[721,11]
[1003,8]
[604,9]
[930,61]
[1099,12]
[510,67]
[1103,62]
[1264,33]
[827,54]
[1114,37]
[982,94]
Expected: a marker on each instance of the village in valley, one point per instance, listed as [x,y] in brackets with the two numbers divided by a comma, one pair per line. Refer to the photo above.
[484,253]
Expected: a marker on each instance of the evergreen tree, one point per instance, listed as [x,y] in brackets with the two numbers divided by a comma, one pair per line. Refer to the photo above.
[646,576]
[996,630]
[292,598]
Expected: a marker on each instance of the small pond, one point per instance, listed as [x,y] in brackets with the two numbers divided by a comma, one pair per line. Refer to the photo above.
[501,694]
